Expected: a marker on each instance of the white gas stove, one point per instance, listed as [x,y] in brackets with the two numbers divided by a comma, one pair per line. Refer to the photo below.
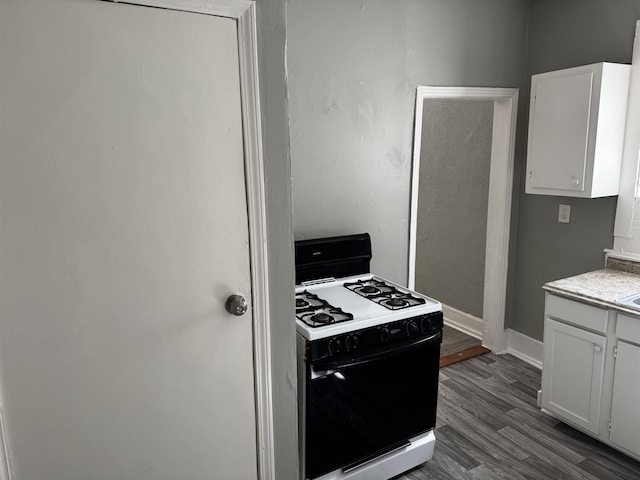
[368,361]
[330,306]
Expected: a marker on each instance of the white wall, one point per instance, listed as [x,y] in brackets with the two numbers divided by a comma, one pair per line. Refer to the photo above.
[353,70]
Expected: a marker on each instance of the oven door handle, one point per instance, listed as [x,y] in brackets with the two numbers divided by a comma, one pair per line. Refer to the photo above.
[366,358]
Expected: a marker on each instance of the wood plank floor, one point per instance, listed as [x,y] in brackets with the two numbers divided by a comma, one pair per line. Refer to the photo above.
[489,428]
[454,341]
[463,355]
[458,346]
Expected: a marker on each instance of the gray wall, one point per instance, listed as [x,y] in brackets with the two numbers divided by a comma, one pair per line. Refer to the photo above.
[271,16]
[455,161]
[564,34]
[353,70]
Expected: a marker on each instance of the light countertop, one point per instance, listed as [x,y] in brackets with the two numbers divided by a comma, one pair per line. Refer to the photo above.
[601,287]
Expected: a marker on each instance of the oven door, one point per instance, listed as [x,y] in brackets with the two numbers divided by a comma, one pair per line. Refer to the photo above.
[360,407]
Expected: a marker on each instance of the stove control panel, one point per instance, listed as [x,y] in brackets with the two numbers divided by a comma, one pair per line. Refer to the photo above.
[371,338]
[343,343]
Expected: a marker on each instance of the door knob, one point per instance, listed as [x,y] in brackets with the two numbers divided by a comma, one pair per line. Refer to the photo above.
[236,305]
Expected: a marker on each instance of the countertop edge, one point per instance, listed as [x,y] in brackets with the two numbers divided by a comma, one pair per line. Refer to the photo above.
[591,300]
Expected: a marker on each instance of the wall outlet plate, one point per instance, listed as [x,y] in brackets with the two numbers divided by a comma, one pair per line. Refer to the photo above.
[564,213]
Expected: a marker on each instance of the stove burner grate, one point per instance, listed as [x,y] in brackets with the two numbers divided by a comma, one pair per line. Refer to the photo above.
[321,317]
[397,302]
[369,290]
[317,312]
[384,294]
[306,301]
[327,316]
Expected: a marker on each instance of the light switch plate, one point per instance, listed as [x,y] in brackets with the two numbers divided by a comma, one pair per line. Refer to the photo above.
[564,213]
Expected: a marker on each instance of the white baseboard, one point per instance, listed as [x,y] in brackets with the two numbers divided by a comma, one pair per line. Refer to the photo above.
[462,321]
[5,471]
[517,344]
[523,347]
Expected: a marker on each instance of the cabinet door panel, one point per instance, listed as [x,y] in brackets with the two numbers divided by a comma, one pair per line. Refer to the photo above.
[625,408]
[572,373]
[560,135]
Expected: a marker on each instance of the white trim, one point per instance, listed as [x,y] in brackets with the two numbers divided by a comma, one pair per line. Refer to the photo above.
[256,203]
[5,466]
[500,195]
[499,218]
[220,8]
[524,347]
[623,228]
[609,253]
[244,12]
[462,321]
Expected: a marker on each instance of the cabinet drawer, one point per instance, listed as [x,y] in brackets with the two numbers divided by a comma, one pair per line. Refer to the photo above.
[576,313]
[628,328]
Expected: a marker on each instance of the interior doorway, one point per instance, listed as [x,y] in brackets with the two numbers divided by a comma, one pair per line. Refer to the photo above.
[495,111]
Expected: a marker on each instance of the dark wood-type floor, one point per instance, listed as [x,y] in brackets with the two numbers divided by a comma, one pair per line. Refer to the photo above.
[455,341]
[457,347]
[489,428]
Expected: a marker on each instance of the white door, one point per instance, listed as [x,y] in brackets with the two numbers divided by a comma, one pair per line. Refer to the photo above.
[123,226]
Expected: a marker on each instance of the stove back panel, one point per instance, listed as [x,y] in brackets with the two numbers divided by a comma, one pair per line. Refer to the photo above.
[332,257]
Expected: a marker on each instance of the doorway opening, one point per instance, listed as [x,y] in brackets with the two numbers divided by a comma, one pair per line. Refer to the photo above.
[487,286]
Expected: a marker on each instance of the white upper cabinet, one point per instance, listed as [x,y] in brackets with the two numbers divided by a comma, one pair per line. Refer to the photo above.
[576,130]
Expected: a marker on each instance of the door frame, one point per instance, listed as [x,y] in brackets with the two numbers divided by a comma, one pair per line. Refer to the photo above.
[505,101]
[244,13]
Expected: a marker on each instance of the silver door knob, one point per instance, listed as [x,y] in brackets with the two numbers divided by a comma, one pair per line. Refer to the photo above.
[236,305]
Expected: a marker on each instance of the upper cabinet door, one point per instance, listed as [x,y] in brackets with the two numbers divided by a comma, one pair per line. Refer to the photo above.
[576,130]
[560,135]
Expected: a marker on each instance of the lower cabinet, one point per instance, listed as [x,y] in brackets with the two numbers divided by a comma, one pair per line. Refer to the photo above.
[625,406]
[572,374]
[591,371]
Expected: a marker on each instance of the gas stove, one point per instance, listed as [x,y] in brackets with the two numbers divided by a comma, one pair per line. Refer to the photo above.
[330,306]
[368,355]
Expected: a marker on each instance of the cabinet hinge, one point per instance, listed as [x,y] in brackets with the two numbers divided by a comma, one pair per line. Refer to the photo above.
[609,426]
[615,352]
[534,96]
